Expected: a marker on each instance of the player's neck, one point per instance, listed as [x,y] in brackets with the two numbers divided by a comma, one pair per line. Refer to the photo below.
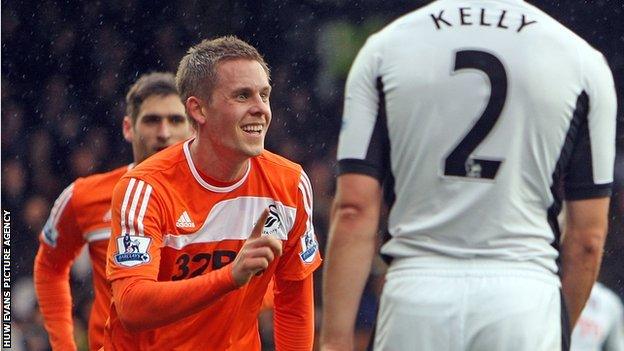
[216,165]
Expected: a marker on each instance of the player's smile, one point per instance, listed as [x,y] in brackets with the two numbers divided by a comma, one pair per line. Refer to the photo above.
[253,129]
[239,113]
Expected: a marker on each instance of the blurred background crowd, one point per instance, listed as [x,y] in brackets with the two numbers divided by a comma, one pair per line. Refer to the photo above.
[66,66]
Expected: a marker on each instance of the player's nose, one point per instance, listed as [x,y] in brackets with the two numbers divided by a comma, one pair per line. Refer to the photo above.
[260,106]
[164,130]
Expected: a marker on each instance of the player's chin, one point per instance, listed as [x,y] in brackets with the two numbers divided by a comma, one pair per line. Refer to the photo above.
[254,149]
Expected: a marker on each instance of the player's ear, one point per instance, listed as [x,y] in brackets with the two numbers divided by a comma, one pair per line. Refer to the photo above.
[195,110]
[128,129]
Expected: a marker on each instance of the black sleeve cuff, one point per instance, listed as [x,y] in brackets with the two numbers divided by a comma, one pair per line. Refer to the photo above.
[587,191]
[353,165]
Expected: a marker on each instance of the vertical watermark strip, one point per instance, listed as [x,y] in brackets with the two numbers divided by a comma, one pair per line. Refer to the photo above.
[6,279]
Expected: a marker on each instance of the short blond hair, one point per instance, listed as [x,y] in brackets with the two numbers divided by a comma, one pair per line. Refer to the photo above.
[197,72]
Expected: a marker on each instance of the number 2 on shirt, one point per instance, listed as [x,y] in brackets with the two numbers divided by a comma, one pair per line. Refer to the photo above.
[458,163]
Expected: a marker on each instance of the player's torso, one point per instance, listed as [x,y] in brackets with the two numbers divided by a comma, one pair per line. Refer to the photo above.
[92,201]
[207,235]
[204,226]
[477,113]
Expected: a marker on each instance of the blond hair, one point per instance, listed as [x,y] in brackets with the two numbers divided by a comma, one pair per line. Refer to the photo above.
[197,72]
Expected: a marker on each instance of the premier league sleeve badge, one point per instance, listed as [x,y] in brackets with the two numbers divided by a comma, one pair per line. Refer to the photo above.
[132,250]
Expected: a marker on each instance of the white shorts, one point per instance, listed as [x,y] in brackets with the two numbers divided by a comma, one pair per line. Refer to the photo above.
[471,309]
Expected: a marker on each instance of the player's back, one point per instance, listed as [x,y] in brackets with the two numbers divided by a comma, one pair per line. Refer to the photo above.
[483,102]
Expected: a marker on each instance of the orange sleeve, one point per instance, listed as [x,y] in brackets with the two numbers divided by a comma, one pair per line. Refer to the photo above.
[301,252]
[60,243]
[146,304]
[133,263]
[136,235]
[294,288]
[267,300]
[294,314]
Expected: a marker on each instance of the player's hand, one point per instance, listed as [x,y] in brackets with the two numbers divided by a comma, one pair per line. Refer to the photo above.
[256,254]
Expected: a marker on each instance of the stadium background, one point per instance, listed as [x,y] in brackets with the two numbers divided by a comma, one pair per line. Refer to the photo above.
[66,66]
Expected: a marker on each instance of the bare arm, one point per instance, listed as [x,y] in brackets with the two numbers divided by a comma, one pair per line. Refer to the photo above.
[586,225]
[349,255]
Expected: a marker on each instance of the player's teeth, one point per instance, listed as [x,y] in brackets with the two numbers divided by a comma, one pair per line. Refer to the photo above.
[255,129]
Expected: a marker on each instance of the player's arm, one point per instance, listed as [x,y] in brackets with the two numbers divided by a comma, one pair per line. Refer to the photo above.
[588,180]
[585,232]
[60,243]
[294,314]
[268,301]
[146,304]
[141,301]
[293,317]
[363,160]
[349,255]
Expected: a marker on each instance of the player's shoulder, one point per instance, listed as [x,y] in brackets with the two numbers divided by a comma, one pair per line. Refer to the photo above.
[102,178]
[98,183]
[153,167]
[282,172]
[281,165]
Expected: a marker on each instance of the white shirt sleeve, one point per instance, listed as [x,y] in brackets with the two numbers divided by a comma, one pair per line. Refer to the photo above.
[363,135]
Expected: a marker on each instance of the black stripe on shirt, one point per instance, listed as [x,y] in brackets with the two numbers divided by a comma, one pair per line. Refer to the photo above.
[578,173]
[377,161]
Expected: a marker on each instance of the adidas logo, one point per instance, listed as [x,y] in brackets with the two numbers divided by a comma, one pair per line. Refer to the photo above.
[185,221]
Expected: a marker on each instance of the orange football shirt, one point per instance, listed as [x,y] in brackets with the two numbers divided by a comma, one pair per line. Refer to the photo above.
[170,223]
[81,215]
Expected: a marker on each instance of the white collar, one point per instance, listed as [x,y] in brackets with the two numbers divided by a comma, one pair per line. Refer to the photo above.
[205,184]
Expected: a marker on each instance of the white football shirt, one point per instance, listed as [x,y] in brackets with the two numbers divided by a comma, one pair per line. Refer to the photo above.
[601,325]
[476,115]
